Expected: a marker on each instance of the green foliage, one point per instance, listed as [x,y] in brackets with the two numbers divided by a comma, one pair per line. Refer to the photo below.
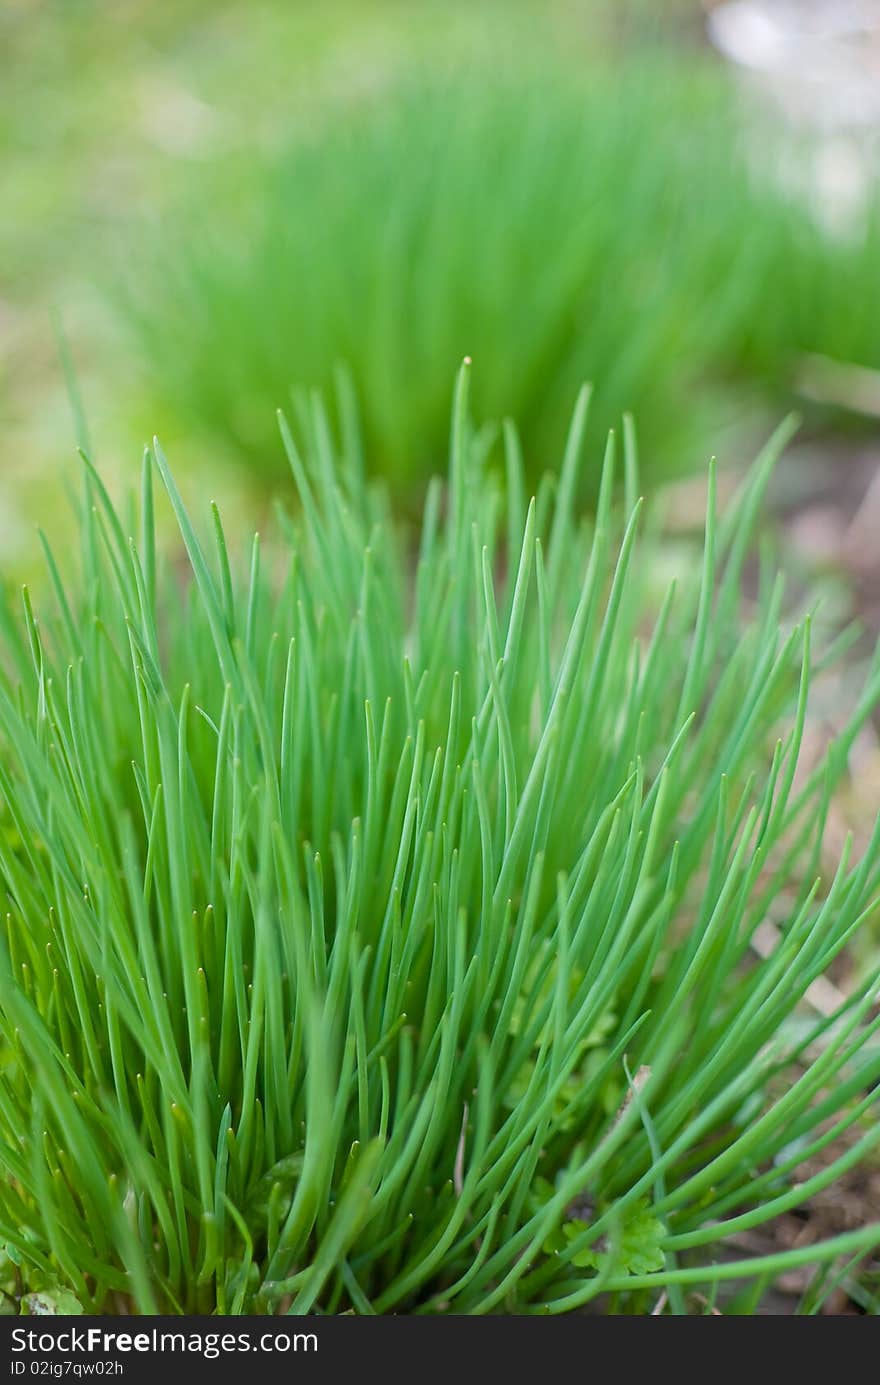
[607,225]
[25,1289]
[379,915]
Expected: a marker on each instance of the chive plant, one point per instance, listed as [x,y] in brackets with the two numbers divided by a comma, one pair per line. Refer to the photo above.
[379,919]
[545,221]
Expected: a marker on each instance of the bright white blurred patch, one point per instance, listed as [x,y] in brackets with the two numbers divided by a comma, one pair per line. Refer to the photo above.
[814,68]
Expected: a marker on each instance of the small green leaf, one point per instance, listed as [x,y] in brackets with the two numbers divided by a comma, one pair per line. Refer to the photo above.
[54,1300]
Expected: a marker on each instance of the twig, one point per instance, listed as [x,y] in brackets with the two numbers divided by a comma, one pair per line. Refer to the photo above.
[840,383]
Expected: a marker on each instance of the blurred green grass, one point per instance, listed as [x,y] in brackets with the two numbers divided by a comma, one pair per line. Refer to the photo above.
[598,224]
[558,189]
[109,111]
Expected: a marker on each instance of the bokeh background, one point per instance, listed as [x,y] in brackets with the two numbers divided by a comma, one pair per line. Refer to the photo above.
[208,205]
